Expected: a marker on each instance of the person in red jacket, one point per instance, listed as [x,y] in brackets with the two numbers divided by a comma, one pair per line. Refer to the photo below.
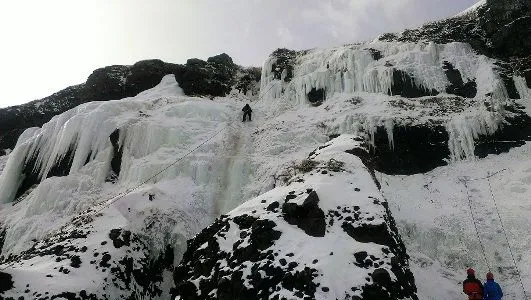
[472,286]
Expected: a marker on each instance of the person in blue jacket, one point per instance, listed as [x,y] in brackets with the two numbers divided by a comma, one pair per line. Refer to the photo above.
[491,289]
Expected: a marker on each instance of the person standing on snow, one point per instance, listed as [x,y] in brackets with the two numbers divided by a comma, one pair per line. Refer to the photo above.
[247,112]
[472,286]
[491,289]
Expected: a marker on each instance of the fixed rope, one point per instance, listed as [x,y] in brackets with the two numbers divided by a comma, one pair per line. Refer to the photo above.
[464,180]
[106,203]
[505,234]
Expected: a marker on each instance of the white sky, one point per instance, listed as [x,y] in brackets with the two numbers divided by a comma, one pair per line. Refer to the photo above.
[49,45]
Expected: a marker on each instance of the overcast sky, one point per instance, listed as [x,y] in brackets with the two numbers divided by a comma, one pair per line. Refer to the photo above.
[49,45]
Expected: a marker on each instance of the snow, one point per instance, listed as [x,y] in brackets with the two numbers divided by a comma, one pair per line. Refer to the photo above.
[434,220]
[471,9]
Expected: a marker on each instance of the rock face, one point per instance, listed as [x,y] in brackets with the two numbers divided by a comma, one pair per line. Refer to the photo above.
[215,77]
[287,243]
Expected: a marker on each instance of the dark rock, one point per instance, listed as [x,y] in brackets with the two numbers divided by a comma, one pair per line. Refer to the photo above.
[75,261]
[116,162]
[6,282]
[527,76]
[215,77]
[308,216]
[120,238]
[381,277]
[405,85]
[369,233]
[360,256]
[104,260]
[292,265]
[316,96]
[273,206]
[457,86]
[244,221]
[229,282]
[376,54]
[285,59]
[514,133]
[417,149]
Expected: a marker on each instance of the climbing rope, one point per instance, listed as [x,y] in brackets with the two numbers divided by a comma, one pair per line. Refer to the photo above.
[464,181]
[505,234]
[106,203]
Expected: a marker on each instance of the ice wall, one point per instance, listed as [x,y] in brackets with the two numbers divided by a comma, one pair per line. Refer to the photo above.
[154,130]
[370,68]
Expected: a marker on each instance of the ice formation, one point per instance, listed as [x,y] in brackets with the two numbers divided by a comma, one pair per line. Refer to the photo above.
[156,128]
[352,70]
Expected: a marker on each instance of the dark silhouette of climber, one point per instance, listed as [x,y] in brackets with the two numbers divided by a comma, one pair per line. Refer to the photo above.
[472,286]
[247,112]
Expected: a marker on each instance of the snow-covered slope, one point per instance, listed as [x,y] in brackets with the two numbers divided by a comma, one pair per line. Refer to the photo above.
[434,219]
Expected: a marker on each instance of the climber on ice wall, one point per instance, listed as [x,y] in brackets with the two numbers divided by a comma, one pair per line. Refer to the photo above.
[247,112]
[472,286]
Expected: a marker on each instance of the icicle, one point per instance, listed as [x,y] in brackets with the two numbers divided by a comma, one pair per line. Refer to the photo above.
[370,127]
[389,126]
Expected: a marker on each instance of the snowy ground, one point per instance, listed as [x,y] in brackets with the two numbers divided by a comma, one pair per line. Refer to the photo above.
[435,222]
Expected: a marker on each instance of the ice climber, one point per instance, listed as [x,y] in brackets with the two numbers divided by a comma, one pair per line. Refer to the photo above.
[247,112]
[491,289]
[472,286]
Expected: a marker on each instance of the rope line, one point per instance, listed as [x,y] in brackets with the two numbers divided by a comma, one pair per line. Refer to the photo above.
[505,234]
[106,203]
[464,180]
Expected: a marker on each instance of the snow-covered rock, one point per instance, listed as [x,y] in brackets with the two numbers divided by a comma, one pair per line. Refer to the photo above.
[327,234]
